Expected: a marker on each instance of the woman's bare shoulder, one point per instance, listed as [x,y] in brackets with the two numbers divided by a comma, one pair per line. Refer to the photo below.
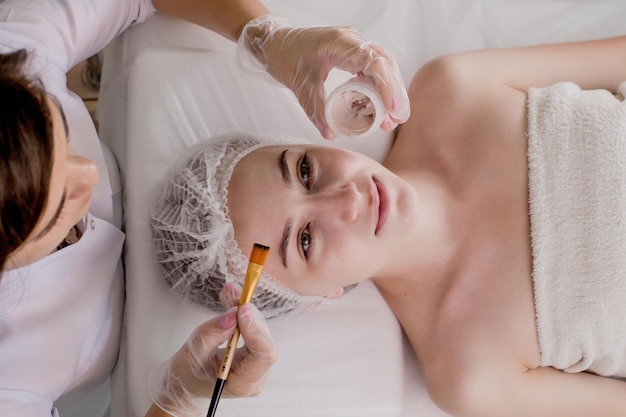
[456,112]
[438,115]
[440,98]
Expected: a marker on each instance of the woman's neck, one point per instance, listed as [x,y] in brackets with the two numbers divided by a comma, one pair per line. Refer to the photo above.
[426,253]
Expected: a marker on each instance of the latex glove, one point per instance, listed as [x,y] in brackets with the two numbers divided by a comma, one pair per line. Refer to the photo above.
[230,295]
[301,58]
[183,385]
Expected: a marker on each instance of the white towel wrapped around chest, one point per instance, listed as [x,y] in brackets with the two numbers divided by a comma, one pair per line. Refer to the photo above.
[577,196]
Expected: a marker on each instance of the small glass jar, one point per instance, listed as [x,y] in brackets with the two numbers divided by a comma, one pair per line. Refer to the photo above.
[354,108]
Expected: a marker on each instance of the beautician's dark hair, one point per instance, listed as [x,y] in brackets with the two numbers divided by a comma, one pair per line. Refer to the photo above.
[26,149]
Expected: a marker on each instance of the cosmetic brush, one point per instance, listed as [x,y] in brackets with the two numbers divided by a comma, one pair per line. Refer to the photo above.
[255,266]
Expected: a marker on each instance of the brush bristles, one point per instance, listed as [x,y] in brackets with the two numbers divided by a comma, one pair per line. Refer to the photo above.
[259,254]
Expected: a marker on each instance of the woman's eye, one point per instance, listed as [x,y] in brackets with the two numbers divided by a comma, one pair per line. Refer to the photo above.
[305,170]
[305,241]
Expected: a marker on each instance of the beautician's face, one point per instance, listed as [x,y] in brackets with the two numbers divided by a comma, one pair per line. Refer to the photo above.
[330,216]
[73,177]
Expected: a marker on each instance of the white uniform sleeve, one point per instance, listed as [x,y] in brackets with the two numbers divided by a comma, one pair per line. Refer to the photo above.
[65,32]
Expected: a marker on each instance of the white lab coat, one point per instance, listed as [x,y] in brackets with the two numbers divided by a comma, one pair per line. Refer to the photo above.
[60,318]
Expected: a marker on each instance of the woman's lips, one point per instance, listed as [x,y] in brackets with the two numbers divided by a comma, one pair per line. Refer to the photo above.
[383,205]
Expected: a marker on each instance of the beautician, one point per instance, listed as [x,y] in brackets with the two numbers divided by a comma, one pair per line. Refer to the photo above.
[61,282]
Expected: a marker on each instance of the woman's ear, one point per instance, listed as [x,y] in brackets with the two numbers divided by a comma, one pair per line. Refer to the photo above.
[335,294]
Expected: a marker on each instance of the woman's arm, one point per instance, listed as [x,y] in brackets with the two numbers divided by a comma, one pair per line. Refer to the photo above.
[598,64]
[542,392]
[226,17]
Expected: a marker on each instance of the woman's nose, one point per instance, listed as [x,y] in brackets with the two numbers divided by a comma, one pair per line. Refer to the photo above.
[82,175]
[342,202]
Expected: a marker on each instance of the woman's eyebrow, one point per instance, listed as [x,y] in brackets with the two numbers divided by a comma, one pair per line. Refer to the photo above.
[54,218]
[283,166]
[284,241]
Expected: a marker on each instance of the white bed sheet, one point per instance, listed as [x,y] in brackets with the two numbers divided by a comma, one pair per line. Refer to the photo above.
[168,84]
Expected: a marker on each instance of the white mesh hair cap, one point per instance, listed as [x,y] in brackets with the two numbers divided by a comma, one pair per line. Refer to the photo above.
[193,237]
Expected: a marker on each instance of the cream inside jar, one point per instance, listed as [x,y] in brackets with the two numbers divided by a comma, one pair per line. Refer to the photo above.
[354,108]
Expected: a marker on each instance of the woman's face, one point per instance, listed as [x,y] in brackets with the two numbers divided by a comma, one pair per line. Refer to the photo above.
[330,216]
[73,177]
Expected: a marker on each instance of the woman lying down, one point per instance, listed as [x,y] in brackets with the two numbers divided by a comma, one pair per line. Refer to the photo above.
[495,229]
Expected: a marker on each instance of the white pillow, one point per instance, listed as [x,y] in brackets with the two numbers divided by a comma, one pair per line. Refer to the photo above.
[175,99]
